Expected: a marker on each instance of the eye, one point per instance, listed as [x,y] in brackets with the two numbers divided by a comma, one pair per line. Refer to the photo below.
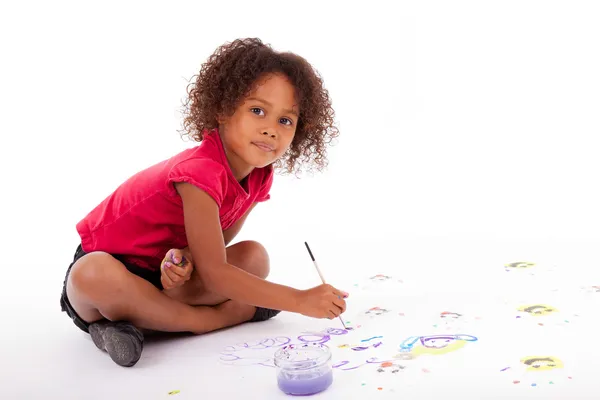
[257,111]
[286,121]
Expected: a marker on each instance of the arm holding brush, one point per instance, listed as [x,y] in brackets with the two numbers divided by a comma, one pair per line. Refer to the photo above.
[211,267]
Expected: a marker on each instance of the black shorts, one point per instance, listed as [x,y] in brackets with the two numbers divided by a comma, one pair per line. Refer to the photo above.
[151,276]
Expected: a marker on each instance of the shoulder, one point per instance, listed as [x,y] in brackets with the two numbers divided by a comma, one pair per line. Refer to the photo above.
[199,170]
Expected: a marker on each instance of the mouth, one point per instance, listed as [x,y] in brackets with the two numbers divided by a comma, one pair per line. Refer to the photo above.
[264,146]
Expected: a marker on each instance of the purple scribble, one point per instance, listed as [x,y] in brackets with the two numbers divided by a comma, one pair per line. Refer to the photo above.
[359,348]
[337,331]
[322,338]
[504,369]
[377,344]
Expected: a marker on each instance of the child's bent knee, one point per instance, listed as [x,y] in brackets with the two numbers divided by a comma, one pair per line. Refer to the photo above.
[256,258]
[94,272]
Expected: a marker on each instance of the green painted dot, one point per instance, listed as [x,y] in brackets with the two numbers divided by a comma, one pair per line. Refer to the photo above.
[566,321]
[435,326]
[552,383]
[363,384]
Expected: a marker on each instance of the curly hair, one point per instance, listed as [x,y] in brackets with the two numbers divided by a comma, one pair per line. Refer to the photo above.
[231,73]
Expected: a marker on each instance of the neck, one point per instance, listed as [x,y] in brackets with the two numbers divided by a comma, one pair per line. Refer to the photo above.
[239,168]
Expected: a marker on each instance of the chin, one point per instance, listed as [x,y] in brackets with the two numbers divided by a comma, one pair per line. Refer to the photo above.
[256,162]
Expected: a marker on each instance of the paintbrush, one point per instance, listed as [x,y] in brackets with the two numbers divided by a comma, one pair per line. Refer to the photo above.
[321,275]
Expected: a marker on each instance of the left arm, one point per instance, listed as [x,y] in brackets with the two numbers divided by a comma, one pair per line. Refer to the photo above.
[228,234]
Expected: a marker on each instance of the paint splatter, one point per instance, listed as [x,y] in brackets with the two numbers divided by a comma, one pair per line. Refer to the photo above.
[379,388]
[534,384]
[343,346]
[504,369]
[515,382]
[386,364]
[371,338]
[172,392]
[363,384]
[359,348]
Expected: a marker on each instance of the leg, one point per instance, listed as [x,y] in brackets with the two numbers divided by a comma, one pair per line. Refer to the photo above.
[99,286]
[248,255]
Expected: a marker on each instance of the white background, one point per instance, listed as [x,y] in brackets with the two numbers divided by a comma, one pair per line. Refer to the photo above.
[459,120]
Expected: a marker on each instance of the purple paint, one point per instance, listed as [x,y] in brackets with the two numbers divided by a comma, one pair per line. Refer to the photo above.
[359,348]
[305,385]
[319,338]
[304,369]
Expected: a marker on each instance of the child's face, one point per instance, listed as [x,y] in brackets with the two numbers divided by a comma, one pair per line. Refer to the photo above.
[262,127]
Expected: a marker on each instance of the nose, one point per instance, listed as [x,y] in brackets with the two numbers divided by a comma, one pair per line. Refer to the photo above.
[269,132]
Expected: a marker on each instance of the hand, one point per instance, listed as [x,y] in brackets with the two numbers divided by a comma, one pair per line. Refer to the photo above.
[323,301]
[175,269]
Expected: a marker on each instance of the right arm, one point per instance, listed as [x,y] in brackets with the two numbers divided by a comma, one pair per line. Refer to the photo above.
[207,246]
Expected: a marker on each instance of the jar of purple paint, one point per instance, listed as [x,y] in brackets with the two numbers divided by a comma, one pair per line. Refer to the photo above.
[304,369]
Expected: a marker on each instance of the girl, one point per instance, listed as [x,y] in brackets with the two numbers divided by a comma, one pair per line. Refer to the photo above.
[251,109]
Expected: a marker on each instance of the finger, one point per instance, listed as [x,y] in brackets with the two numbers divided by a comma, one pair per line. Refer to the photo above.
[341,304]
[166,281]
[172,275]
[176,256]
[340,293]
[179,271]
[331,315]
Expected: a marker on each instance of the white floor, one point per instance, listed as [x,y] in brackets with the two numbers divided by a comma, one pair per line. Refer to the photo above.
[48,357]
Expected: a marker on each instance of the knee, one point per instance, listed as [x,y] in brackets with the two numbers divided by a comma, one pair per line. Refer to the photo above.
[256,258]
[92,273]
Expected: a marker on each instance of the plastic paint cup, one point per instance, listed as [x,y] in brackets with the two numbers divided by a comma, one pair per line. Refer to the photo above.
[304,369]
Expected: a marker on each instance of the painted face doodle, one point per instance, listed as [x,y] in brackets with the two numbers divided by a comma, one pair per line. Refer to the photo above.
[538,310]
[541,363]
[376,311]
[450,315]
[380,277]
[519,265]
[538,370]
[390,367]
[433,344]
